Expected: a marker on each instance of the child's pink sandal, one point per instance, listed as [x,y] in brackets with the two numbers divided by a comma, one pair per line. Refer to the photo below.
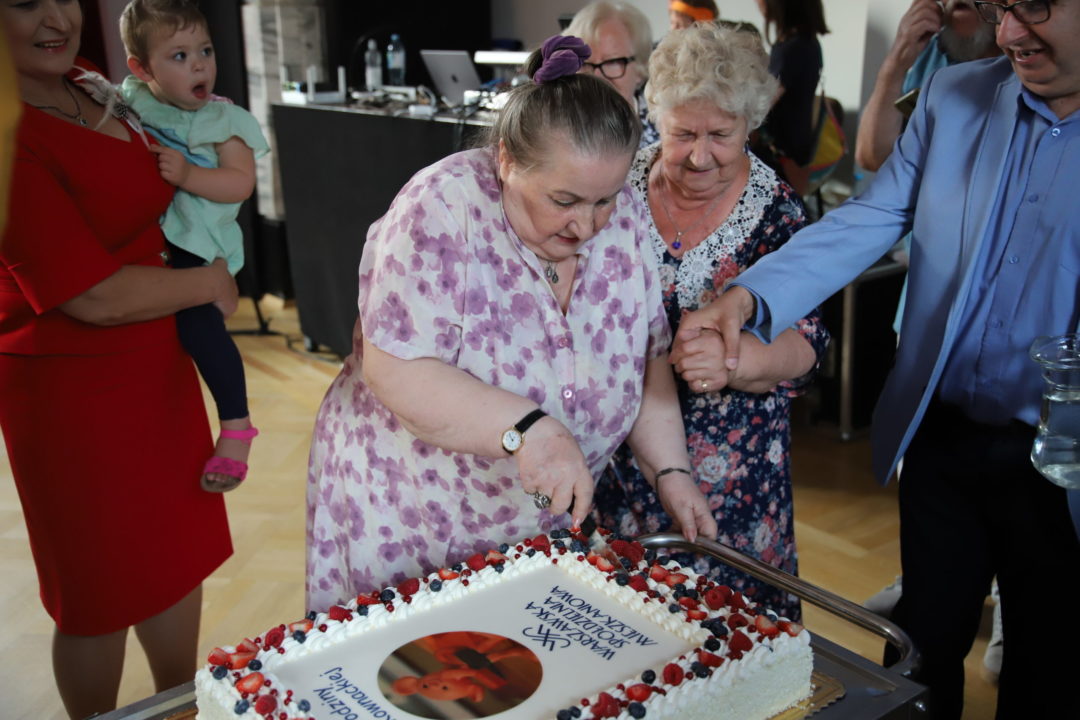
[227,466]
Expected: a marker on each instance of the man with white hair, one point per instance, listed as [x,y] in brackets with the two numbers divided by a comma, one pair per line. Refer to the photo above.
[932,34]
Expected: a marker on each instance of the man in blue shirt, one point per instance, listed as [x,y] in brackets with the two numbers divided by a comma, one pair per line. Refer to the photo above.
[985,178]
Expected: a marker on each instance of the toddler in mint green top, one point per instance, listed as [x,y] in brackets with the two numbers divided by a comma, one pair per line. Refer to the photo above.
[206,148]
[195,223]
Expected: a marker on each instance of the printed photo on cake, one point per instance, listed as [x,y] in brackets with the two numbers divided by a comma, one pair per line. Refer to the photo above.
[462,674]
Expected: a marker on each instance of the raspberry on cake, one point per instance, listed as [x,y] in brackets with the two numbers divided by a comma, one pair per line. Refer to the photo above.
[559,626]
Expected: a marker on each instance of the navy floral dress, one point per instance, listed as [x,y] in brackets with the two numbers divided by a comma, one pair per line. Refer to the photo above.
[739,443]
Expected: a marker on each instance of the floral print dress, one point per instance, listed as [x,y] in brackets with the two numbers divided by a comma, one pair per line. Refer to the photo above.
[739,443]
[444,276]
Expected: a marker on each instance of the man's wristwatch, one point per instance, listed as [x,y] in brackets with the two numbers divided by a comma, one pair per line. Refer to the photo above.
[513,438]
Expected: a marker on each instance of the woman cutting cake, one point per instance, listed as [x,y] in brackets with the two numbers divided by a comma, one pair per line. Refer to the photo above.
[511,336]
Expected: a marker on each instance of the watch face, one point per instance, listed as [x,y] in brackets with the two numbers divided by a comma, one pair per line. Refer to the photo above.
[511,440]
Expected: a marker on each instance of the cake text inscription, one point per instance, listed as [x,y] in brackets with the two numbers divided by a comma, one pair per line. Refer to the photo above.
[571,619]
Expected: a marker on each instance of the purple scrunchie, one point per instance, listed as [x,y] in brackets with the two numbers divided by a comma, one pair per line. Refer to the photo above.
[563,55]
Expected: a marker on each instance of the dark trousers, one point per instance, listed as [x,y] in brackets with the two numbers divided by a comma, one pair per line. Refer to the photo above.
[203,334]
[972,507]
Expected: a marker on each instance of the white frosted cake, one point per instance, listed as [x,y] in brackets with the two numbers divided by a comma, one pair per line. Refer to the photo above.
[552,627]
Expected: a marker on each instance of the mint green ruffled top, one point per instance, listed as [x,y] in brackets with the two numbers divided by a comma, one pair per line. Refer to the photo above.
[200,226]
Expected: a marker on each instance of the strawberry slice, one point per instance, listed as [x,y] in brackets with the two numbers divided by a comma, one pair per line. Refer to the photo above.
[541,543]
[736,620]
[638,693]
[448,574]
[476,562]
[791,628]
[304,625]
[619,547]
[604,565]
[265,704]
[250,683]
[740,642]
[409,587]
[239,660]
[766,627]
[697,614]
[717,597]
[591,558]
[337,612]
[605,706]
[707,659]
[675,578]
[635,552]
[247,646]
[494,557]
[367,600]
[738,602]
[688,602]
[658,573]
[639,583]
[218,657]
[275,636]
[673,674]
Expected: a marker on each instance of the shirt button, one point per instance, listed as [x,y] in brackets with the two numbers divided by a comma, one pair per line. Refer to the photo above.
[563,342]
[1055,132]
[568,394]
[1034,197]
[1013,259]
[995,324]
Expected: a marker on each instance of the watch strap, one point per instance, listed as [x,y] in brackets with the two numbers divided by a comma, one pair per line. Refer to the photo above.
[527,422]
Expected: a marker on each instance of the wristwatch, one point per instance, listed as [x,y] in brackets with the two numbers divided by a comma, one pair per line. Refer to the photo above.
[513,438]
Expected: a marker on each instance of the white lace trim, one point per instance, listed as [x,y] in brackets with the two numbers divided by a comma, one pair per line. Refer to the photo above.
[695,269]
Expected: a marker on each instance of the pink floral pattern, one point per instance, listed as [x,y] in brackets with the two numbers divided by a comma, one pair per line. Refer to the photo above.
[739,443]
[444,276]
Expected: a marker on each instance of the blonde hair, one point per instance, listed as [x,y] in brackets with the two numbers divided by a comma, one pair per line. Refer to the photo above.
[587,22]
[142,18]
[715,64]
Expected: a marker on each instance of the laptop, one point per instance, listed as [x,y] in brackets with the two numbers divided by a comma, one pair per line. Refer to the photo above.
[452,72]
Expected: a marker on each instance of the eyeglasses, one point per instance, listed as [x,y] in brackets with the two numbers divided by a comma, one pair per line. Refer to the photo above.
[612,69]
[1029,12]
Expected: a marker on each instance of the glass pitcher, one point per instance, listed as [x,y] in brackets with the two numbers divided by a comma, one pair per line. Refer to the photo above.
[1056,451]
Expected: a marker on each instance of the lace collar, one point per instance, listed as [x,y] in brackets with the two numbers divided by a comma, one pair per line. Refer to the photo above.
[694,270]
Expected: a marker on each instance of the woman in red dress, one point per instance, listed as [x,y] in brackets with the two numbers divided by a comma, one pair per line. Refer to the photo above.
[100,407]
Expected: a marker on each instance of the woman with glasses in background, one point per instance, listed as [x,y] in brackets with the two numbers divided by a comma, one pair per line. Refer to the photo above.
[621,40]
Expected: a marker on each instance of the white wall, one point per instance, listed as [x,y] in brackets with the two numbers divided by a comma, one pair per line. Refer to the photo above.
[861,33]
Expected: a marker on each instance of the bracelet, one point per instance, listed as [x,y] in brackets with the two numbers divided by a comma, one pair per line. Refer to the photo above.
[668,471]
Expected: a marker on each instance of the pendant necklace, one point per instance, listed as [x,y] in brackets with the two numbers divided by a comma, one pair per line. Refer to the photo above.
[677,242]
[550,273]
[78,116]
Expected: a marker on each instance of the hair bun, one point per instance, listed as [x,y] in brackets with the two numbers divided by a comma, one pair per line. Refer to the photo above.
[562,55]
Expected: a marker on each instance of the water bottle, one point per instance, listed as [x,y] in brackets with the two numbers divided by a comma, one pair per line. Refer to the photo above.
[1056,451]
[395,61]
[372,67]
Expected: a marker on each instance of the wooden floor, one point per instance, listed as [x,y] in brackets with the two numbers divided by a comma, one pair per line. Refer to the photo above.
[846,529]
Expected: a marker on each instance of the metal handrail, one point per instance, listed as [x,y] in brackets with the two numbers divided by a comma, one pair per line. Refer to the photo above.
[833,603]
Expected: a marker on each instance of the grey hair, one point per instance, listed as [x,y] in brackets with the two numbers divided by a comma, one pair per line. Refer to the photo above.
[715,64]
[587,21]
[585,110]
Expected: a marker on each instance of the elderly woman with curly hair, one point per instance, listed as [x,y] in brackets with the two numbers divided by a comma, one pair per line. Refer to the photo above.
[714,209]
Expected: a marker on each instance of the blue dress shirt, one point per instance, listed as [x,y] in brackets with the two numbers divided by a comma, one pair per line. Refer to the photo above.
[1027,280]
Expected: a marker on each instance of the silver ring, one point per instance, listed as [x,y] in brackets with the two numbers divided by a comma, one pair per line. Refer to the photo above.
[540,500]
